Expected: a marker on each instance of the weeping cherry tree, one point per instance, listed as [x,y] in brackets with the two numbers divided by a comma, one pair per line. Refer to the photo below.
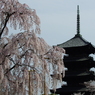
[26,60]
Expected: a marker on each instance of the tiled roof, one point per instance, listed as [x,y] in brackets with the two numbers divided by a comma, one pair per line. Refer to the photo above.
[76,41]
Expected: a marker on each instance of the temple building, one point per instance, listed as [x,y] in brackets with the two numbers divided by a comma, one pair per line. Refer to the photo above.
[78,62]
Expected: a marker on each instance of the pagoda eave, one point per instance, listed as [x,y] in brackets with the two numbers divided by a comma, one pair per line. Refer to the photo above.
[70,90]
[77,73]
[87,49]
[76,59]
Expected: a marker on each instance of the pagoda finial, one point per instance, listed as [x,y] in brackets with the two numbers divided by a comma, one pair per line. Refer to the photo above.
[78,20]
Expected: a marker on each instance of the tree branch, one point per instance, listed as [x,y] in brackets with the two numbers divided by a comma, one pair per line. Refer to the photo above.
[5,23]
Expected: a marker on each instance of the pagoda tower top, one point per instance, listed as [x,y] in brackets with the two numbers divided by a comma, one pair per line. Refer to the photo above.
[77,41]
[78,20]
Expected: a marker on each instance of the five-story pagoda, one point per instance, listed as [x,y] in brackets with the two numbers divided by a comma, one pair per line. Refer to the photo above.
[78,63]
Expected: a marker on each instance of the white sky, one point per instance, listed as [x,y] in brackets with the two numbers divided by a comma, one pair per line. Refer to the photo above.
[58,19]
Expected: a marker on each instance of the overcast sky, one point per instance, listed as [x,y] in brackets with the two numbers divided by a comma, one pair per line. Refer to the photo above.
[58,19]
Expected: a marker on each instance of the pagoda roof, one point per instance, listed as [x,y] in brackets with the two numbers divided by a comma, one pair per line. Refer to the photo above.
[78,73]
[70,89]
[77,59]
[76,41]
